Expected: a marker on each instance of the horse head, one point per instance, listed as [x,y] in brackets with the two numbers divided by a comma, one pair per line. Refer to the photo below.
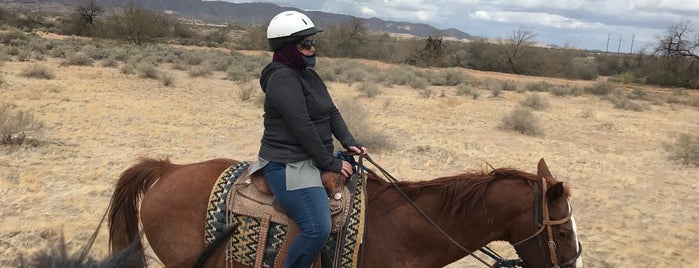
[553,241]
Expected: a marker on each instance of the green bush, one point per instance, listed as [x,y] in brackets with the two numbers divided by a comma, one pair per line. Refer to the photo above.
[685,149]
[522,120]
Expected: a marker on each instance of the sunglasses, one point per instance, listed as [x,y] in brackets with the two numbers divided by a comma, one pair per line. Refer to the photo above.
[307,43]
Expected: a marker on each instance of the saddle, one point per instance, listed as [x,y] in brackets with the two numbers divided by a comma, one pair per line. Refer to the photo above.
[250,199]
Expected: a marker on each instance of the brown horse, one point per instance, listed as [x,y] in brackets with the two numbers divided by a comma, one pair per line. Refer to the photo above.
[530,211]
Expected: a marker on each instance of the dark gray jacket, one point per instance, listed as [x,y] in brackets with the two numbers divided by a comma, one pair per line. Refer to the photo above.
[300,118]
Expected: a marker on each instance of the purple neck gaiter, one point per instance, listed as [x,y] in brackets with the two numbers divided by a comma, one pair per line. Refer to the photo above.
[290,56]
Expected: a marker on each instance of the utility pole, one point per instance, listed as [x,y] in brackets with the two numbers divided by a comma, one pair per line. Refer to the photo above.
[608,37]
[618,50]
[632,39]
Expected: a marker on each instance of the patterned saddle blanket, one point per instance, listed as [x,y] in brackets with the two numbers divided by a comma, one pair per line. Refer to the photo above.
[263,231]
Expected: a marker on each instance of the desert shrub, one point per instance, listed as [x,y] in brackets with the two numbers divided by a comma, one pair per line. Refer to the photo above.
[418,83]
[621,101]
[358,121]
[464,89]
[691,101]
[685,149]
[662,77]
[247,91]
[510,85]
[425,92]
[17,126]
[200,70]
[638,94]
[679,91]
[447,77]
[627,78]
[600,88]
[369,89]
[24,56]
[38,72]
[491,84]
[94,52]
[583,70]
[193,57]
[110,62]
[147,70]
[536,102]
[495,92]
[475,94]
[167,79]
[128,68]
[541,86]
[237,72]
[79,59]
[8,37]
[522,120]
[563,91]
[13,51]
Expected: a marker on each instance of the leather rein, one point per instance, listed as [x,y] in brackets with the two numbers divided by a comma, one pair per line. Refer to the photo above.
[546,224]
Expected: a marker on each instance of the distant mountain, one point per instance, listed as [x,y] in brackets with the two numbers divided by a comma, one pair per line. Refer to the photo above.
[259,13]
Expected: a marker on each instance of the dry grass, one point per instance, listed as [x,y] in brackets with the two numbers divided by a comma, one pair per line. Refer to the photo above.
[634,205]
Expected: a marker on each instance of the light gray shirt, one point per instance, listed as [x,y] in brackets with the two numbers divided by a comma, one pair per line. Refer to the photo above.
[299,175]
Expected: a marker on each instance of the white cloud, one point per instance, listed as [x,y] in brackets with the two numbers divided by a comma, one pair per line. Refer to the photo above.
[368,12]
[533,18]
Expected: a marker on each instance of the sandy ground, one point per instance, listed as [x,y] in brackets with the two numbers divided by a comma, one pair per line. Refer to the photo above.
[634,207]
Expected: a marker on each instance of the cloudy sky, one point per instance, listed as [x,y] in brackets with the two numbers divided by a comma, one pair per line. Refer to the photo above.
[589,24]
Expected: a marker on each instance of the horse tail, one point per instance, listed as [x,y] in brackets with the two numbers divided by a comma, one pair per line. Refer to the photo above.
[124,206]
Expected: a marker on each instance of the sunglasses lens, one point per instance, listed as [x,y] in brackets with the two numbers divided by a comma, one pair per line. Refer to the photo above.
[308,42]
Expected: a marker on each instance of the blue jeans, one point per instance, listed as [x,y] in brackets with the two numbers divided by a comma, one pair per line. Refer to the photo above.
[310,210]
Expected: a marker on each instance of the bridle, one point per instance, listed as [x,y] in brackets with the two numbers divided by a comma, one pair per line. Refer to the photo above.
[543,219]
[546,223]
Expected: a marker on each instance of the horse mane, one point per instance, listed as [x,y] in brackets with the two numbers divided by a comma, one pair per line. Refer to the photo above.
[462,192]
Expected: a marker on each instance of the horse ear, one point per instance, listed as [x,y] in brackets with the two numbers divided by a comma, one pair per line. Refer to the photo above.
[556,191]
[543,170]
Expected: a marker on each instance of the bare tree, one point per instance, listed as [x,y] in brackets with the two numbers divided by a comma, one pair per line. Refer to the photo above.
[515,45]
[89,11]
[679,41]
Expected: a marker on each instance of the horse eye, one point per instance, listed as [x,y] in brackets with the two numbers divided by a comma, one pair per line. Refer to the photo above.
[565,235]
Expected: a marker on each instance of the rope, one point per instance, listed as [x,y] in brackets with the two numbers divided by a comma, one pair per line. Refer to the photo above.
[90,242]
[393,181]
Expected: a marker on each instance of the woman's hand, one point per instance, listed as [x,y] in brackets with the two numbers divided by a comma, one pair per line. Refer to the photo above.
[347,169]
[363,151]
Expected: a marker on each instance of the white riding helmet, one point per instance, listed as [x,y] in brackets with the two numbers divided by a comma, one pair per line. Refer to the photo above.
[289,26]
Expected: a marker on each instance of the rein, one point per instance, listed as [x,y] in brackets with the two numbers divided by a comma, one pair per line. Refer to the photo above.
[91,242]
[546,223]
[393,181]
